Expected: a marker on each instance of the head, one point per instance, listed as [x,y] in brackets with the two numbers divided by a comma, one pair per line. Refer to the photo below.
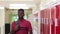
[20,13]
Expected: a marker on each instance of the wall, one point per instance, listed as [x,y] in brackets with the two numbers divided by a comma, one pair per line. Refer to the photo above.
[2,20]
[14,11]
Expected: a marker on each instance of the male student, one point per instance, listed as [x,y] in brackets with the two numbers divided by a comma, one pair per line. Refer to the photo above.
[21,26]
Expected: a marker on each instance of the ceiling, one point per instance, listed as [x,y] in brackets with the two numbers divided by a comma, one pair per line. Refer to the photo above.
[6,3]
[48,3]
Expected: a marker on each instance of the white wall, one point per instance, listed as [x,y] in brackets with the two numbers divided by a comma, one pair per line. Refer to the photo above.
[14,11]
[2,20]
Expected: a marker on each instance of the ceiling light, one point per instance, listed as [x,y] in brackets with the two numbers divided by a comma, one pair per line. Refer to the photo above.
[18,6]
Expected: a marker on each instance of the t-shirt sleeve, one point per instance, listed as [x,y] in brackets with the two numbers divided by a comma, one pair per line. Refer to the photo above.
[29,26]
[12,26]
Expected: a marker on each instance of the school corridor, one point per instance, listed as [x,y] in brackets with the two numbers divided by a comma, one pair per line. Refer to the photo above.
[44,15]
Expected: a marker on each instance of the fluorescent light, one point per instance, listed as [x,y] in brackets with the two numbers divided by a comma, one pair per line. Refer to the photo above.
[18,6]
[23,6]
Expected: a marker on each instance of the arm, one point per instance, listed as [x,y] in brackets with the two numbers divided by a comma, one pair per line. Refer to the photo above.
[31,32]
[14,28]
[29,28]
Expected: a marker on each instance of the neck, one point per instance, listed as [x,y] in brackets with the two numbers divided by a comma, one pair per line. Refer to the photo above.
[21,18]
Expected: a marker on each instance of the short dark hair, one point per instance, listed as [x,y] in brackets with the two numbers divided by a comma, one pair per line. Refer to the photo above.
[21,10]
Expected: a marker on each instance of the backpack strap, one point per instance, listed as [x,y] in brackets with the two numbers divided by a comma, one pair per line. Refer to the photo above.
[16,23]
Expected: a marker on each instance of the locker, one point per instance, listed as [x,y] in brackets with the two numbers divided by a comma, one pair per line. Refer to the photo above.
[45,21]
[50,20]
[53,17]
[58,17]
[42,20]
[48,16]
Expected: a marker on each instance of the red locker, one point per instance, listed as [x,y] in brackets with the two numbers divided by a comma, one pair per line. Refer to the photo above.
[58,17]
[50,20]
[48,16]
[42,16]
[53,17]
[45,21]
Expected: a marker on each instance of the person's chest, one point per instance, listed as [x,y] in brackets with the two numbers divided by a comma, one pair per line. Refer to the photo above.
[22,23]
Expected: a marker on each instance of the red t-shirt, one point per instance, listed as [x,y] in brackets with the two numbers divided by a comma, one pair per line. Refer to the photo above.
[23,23]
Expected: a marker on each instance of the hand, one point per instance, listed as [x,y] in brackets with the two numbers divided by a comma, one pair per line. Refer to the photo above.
[16,28]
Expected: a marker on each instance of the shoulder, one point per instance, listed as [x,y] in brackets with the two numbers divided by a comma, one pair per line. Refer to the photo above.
[27,22]
[13,22]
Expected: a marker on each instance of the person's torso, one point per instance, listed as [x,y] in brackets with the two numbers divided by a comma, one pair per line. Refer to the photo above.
[23,27]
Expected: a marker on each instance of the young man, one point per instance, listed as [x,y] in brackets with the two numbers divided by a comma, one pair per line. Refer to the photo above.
[24,26]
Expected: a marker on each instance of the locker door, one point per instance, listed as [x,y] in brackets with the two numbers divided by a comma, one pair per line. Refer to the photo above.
[42,21]
[58,16]
[53,16]
[48,16]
